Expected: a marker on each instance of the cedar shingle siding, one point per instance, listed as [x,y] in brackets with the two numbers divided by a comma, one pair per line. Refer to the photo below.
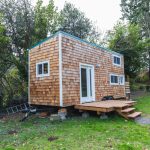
[45,90]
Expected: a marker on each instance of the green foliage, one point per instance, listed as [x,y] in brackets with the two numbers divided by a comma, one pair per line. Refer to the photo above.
[138,12]
[75,22]
[46,20]
[53,18]
[4,40]
[13,88]
[40,22]
[142,77]
[21,26]
[18,21]
[4,50]
[126,40]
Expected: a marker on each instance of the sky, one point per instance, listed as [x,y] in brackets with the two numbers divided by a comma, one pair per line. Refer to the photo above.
[104,13]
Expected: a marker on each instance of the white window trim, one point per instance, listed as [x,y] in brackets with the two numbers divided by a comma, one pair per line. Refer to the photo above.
[123,80]
[42,75]
[119,65]
[118,75]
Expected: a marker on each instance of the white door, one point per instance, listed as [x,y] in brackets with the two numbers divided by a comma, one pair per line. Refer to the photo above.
[87,89]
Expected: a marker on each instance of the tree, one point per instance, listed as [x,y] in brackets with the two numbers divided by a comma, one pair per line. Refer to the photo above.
[138,12]
[75,22]
[53,18]
[18,20]
[40,22]
[126,39]
[21,26]
[46,20]
[4,53]
[25,26]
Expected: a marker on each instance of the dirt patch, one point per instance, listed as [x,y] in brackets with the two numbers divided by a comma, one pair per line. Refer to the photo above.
[16,116]
[12,132]
[52,138]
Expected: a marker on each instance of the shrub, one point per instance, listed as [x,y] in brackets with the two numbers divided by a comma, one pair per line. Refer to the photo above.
[148,88]
[13,89]
[142,87]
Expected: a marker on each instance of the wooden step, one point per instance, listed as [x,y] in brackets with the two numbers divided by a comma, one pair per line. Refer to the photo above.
[127,110]
[134,115]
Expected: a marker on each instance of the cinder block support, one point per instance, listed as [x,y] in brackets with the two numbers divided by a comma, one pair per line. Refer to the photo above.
[62,112]
[85,115]
[103,116]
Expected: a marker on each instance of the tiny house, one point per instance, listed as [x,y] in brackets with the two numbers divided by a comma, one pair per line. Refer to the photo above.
[65,70]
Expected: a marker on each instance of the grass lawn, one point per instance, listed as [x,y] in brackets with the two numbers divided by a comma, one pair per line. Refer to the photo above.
[143,104]
[77,133]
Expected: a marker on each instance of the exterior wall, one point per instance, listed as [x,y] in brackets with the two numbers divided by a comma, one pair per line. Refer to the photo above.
[44,90]
[75,52]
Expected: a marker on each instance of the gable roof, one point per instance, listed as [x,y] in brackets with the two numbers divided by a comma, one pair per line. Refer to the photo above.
[77,38]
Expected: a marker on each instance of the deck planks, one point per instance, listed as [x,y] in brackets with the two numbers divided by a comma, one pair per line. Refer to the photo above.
[104,106]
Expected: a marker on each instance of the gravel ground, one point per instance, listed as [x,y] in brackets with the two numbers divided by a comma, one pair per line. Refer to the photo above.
[143,120]
[136,94]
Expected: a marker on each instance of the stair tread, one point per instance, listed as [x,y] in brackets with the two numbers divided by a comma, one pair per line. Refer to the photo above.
[135,114]
[127,110]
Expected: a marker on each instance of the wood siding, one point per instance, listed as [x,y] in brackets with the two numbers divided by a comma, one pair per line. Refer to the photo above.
[45,90]
[75,52]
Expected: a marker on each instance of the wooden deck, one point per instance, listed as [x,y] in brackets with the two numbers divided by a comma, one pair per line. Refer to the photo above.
[104,106]
[121,106]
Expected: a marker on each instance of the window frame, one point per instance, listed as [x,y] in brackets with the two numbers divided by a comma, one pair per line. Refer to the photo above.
[43,74]
[118,79]
[115,64]
[123,79]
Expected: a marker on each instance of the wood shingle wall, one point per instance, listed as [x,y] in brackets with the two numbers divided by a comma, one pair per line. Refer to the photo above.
[75,52]
[45,90]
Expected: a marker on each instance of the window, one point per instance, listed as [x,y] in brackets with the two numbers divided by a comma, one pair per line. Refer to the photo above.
[116,60]
[116,79]
[121,80]
[42,69]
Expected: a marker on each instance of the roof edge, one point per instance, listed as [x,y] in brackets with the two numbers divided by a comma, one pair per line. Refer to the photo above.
[92,44]
[44,40]
[77,38]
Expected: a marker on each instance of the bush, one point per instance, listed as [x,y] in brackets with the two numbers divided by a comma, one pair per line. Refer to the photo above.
[134,87]
[14,89]
[143,78]
[148,88]
[142,87]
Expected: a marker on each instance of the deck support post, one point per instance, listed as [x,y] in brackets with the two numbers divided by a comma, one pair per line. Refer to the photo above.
[85,115]
[62,113]
[80,110]
[98,112]
[103,116]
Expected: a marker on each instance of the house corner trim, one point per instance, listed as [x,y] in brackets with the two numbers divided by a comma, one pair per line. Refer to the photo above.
[29,77]
[60,70]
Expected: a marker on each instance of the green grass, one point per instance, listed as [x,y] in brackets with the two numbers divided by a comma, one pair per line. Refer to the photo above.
[77,133]
[143,104]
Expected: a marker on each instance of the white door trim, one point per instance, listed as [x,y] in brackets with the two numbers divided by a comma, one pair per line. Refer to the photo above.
[88,98]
